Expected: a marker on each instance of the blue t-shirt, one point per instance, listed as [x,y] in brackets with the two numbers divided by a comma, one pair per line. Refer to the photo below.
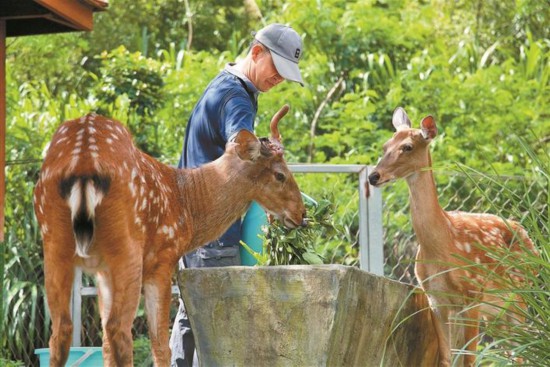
[228,105]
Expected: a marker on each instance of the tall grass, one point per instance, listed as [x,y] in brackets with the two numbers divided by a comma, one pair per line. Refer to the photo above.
[502,337]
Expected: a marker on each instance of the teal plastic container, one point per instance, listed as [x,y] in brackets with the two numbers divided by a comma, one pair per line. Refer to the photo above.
[251,230]
[78,356]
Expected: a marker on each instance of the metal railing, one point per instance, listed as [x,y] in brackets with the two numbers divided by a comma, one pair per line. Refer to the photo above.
[371,251]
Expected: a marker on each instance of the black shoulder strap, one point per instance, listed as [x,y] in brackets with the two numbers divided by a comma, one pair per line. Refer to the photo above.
[250,93]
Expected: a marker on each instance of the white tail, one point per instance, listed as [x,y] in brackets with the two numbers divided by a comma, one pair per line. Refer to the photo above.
[105,206]
[450,242]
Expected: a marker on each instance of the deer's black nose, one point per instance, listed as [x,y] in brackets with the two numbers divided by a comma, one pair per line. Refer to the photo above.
[373,178]
[304,220]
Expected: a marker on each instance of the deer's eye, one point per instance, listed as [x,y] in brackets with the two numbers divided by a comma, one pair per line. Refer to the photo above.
[407,148]
[280,177]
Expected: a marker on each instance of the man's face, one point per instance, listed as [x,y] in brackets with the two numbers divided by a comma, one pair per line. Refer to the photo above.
[266,75]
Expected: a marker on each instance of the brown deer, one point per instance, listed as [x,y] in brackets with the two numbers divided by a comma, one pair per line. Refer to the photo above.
[450,243]
[107,207]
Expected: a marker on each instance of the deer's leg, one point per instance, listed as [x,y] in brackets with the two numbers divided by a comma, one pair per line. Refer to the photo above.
[120,299]
[471,334]
[440,313]
[59,275]
[157,290]
[104,293]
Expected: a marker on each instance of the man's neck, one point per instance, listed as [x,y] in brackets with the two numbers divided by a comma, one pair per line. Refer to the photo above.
[244,67]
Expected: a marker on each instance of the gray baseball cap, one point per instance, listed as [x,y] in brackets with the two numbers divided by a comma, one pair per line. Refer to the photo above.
[286,49]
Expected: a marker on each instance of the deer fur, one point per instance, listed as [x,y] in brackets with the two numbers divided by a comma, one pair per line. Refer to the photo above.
[451,264]
[105,206]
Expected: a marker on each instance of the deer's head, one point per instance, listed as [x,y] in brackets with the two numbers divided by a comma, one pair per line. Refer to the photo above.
[271,183]
[407,151]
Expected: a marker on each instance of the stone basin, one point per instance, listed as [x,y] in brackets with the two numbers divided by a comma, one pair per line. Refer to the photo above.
[327,315]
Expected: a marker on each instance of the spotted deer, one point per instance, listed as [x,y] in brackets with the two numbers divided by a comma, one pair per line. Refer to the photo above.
[105,206]
[451,243]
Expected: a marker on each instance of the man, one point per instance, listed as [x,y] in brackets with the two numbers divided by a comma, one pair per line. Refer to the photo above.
[228,105]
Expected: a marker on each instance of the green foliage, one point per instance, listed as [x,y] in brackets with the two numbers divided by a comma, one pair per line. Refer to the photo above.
[8,363]
[142,352]
[283,246]
[133,80]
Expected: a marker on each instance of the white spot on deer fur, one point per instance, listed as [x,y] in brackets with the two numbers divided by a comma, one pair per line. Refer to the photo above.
[62,130]
[44,228]
[134,173]
[114,136]
[91,130]
[152,302]
[92,140]
[45,174]
[93,147]
[76,151]
[109,141]
[132,188]
[459,246]
[138,221]
[171,232]
[143,204]
[467,247]
[106,294]
[94,154]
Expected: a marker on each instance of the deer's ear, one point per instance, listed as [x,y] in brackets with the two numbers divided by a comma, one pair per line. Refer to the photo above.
[400,120]
[248,145]
[429,128]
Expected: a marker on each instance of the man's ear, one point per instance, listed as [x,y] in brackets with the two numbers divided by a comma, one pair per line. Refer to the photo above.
[256,51]
[429,128]
[248,146]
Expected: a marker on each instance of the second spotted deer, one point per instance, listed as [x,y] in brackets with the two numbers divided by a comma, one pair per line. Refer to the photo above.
[451,264]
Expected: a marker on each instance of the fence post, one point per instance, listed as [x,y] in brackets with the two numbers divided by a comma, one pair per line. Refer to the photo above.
[371,241]
[76,307]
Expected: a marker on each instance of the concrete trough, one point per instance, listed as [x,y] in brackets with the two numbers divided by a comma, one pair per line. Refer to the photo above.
[327,315]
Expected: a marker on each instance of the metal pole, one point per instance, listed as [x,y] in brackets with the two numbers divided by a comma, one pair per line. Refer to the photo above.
[364,243]
[375,230]
[76,307]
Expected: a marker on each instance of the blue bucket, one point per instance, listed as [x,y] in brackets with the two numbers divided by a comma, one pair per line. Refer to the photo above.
[251,226]
[78,356]
[251,232]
